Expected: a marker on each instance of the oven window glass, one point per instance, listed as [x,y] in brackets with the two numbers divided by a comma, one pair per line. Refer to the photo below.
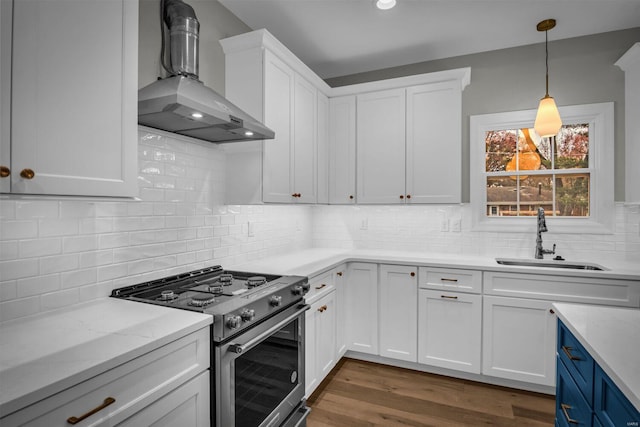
[265,375]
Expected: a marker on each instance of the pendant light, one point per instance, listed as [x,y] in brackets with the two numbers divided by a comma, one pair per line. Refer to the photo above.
[548,122]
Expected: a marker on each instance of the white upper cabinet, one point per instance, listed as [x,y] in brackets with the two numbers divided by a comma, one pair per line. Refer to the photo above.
[74,97]
[380,129]
[290,111]
[323,148]
[389,141]
[630,64]
[265,79]
[409,144]
[5,96]
[342,150]
[434,143]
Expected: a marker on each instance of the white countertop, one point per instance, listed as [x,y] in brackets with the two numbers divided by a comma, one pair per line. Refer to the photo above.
[314,261]
[612,336]
[45,354]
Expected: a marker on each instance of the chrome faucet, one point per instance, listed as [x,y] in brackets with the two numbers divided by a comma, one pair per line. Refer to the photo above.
[542,227]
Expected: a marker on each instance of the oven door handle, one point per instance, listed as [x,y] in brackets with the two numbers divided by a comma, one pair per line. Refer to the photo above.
[241,348]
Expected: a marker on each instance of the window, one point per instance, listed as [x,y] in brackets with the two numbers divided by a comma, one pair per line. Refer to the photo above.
[514,171]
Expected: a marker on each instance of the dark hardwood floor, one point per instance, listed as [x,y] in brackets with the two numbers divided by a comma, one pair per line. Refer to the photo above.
[358,393]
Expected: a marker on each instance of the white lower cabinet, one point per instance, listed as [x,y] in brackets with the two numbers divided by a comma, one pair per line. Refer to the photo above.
[449,330]
[169,385]
[340,283]
[398,321]
[362,307]
[320,330]
[188,405]
[320,348]
[519,338]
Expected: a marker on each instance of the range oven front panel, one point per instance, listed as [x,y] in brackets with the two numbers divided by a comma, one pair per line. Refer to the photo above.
[259,375]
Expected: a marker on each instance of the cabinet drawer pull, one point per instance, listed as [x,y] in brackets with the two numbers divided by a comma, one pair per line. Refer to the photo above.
[565,410]
[322,309]
[4,171]
[321,286]
[444,279]
[75,420]
[448,296]
[567,351]
[339,273]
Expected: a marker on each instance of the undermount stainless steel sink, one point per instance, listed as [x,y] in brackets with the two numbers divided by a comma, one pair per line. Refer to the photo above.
[549,263]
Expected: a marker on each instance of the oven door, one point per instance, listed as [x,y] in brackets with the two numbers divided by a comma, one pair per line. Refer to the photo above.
[259,376]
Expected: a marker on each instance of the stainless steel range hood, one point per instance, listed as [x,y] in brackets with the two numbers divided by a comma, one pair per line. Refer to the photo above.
[183,104]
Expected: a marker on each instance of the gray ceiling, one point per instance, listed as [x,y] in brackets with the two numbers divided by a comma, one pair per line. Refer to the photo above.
[342,37]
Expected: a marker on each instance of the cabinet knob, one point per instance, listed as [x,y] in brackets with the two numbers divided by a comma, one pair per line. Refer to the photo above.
[4,171]
[408,196]
[351,197]
[402,196]
[339,273]
[27,173]
[413,274]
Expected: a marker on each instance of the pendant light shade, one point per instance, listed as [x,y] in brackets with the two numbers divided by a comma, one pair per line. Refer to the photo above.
[548,122]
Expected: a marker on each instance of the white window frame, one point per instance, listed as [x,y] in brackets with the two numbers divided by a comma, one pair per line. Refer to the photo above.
[600,118]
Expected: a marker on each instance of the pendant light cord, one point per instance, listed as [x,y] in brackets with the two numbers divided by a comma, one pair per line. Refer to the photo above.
[546,60]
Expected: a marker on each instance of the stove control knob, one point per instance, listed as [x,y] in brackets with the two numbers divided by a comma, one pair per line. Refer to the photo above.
[305,287]
[297,290]
[233,322]
[248,315]
[275,301]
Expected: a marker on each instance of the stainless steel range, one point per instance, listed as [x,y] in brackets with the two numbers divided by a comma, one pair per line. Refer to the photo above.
[257,340]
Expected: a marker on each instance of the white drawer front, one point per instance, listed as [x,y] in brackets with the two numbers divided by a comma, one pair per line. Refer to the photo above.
[134,385]
[563,288]
[450,279]
[319,285]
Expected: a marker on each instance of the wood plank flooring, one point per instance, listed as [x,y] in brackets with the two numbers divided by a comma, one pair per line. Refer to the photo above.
[358,393]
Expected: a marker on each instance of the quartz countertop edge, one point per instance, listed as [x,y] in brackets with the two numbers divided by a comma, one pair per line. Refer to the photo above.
[44,354]
[309,262]
[612,336]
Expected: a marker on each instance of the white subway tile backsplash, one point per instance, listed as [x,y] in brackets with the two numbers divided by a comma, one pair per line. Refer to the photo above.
[11,229]
[58,263]
[58,227]
[40,247]
[19,268]
[38,285]
[37,209]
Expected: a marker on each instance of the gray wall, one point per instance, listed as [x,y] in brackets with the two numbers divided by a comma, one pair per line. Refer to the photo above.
[216,23]
[581,71]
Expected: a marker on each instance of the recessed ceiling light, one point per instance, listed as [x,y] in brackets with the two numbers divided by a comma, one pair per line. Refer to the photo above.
[196,115]
[385,4]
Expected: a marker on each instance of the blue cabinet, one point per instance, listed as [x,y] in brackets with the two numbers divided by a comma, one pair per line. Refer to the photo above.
[585,395]
[610,406]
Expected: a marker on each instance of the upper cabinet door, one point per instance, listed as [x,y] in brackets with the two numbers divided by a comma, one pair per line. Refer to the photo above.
[342,150]
[381,146]
[323,148]
[279,80]
[74,104]
[434,144]
[305,138]
[5,95]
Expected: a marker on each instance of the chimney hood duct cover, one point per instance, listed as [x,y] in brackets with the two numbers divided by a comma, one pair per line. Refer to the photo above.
[183,104]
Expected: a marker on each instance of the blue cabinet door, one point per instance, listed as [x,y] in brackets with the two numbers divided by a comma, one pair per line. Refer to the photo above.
[577,361]
[610,406]
[572,410]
